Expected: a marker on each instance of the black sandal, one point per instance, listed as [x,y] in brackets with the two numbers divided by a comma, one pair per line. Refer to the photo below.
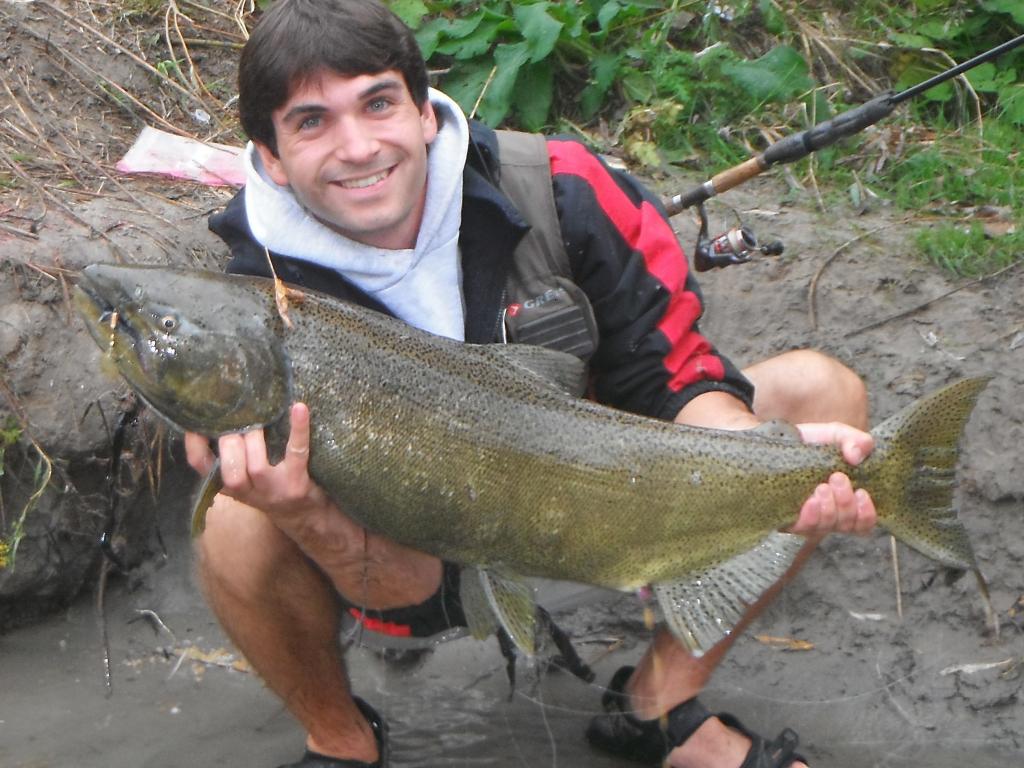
[312,759]
[645,741]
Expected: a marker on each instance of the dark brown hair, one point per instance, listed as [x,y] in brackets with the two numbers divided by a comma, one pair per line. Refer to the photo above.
[296,39]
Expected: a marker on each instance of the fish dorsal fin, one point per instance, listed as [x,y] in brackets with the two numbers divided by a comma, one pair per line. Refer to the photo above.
[567,373]
[702,610]
[777,429]
[489,599]
[211,486]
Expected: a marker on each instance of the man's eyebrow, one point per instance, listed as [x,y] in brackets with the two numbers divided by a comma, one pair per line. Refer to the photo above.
[302,110]
[382,85]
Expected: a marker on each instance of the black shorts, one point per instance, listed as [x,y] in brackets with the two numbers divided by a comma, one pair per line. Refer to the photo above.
[435,616]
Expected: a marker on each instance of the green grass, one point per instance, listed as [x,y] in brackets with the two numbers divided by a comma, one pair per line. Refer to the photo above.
[966,250]
[964,179]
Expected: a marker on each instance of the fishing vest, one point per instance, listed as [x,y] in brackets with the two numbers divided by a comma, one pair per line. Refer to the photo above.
[544,306]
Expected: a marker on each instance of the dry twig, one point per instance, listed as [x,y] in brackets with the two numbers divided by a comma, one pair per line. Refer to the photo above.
[925,304]
[812,295]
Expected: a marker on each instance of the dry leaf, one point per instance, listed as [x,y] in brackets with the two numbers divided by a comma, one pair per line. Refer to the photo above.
[998,228]
[282,296]
[785,643]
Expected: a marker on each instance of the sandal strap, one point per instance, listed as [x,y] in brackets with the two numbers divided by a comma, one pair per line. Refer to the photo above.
[777,753]
[661,734]
[622,733]
[683,720]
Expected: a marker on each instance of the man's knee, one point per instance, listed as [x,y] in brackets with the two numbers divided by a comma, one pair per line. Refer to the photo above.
[806,386]
[239,542]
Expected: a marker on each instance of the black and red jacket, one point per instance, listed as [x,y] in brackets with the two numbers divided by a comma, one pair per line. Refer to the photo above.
[651,358]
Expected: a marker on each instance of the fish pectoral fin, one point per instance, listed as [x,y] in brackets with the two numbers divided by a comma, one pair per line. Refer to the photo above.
[211,486]
[566,373]
[480,619]
[703,609]
[490,599]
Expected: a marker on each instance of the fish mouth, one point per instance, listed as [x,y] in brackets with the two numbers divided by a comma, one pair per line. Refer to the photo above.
[95,309]
[93,303]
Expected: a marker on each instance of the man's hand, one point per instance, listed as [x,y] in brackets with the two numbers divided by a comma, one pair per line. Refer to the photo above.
[280,490]
[835,506]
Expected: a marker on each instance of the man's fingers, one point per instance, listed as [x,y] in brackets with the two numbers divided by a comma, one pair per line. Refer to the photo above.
[836,507]
[296,455]
[829,513]
[854,444]
[233,469]
[845,502]
[867,515]
[198,453]
[256,460]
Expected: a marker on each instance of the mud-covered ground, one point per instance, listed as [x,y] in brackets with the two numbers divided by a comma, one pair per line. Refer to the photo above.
[832,658]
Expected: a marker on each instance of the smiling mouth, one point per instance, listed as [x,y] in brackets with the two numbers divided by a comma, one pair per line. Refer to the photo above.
[366,181]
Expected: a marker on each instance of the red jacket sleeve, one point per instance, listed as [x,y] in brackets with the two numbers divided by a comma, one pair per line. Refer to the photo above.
[651,358]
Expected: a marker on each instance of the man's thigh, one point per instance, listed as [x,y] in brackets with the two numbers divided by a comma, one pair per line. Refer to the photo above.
[807,386]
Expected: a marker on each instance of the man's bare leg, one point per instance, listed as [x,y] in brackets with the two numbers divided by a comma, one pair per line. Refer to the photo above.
[282,612]
[806,386]
[798,387]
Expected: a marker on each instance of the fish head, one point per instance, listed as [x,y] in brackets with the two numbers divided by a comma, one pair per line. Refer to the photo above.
[202,349]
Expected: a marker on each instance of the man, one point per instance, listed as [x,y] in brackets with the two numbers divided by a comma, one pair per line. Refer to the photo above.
[363,183]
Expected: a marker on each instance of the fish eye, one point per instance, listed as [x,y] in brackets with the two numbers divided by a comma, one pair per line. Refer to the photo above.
[168,322]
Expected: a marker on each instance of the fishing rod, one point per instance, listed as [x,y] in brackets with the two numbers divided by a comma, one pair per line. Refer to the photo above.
[737,245]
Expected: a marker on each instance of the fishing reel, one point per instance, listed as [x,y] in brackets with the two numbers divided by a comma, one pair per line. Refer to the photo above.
[733,247]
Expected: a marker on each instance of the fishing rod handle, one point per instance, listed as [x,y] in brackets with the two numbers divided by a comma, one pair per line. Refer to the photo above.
[787,150]
[727,179]
[823,134]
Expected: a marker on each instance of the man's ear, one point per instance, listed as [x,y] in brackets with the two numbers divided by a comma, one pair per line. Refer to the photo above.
[429,121]
[272,164]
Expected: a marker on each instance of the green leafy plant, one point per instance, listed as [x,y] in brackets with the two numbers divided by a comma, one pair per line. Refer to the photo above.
[10,434]
[933,34]
[658,72]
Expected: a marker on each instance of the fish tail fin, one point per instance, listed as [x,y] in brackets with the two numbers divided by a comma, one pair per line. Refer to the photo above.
[913,473]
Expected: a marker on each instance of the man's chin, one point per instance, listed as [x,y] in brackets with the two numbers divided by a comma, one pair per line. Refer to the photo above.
[378,232]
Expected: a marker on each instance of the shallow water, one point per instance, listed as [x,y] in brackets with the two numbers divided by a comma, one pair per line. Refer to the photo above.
[453,709]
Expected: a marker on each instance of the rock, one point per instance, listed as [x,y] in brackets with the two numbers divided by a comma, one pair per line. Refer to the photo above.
[70,414]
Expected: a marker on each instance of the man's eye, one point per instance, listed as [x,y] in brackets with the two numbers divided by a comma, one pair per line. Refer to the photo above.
[379,105]
[309,122]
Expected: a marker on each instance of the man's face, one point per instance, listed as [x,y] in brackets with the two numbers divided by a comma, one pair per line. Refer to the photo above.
[354,152]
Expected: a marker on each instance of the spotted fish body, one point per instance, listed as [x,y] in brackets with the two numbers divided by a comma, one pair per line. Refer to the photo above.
[479,455]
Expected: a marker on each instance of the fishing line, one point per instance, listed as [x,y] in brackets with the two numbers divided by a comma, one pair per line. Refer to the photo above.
[748,693]
[544,719]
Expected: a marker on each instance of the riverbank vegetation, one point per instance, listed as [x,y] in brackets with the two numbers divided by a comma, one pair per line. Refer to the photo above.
[703,85]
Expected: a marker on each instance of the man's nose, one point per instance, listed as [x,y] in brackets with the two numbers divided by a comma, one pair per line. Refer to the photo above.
[354,142]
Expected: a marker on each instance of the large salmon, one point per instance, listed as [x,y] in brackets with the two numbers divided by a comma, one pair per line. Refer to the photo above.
[482,455]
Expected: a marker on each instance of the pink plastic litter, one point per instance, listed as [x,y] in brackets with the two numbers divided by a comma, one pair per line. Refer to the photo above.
[166,154]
